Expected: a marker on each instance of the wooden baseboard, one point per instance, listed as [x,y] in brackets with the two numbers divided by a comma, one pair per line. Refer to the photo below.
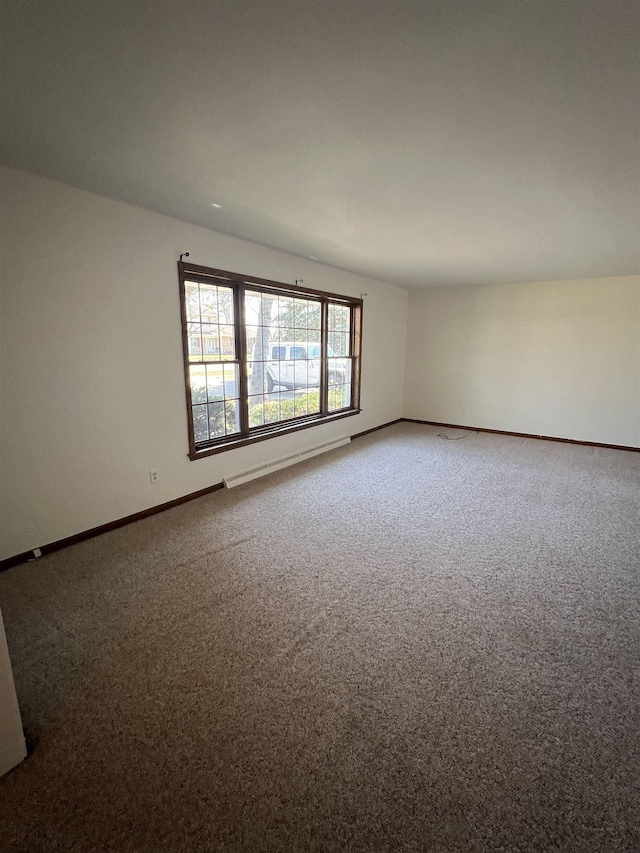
[525,435]
[27,556]
[145,513]
[104,528]
[376,428]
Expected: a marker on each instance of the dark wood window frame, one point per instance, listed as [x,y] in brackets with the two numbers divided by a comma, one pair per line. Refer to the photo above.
[239,284]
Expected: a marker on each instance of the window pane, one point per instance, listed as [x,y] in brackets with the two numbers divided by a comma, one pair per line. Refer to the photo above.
[339,397]
[271,411]
[198,380]
[208,303]
[192,301]
[250,333]
[256,411]
[210,341]
[301,404]
[286,318]
[314,318]
[256,379]
[260,308]
[339,370]
[216,420]
[232,417]
[339,343]
[231,381]
[252,301]
[194,337]
[313,401]
[269,312]
[302,311]
[200,429]
[225,305]
[227,342]
[215,383]
[339,318]
[260,348]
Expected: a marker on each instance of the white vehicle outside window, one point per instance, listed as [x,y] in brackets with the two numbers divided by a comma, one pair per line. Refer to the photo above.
[297,364]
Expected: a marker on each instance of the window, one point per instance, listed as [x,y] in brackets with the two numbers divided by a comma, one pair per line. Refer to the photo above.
[263,357]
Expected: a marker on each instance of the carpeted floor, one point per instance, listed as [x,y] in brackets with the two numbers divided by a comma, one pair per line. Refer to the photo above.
[409,644]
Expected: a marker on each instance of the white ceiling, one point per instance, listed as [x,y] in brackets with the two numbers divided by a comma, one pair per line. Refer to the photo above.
[422,143]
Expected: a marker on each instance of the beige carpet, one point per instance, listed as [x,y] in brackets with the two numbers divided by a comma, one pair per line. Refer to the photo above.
[410,644]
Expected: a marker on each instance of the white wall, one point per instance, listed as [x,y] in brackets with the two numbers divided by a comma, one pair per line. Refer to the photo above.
[12,746]
[549,358]
[92,391]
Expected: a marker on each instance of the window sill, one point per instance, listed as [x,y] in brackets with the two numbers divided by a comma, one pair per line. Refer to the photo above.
[270,432]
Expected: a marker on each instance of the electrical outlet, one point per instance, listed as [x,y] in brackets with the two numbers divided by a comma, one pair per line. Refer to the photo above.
[153,475]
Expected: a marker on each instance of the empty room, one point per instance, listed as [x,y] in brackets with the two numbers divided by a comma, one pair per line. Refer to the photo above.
[319,426]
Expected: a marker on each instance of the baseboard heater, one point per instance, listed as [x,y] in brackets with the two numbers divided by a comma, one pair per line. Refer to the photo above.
[268,467]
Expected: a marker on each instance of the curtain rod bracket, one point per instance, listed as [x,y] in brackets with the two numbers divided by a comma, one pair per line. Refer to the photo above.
[184,255]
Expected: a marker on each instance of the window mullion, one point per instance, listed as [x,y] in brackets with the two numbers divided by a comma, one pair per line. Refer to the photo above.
[241,355]
[185,348]
[356,355]
[324,368]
